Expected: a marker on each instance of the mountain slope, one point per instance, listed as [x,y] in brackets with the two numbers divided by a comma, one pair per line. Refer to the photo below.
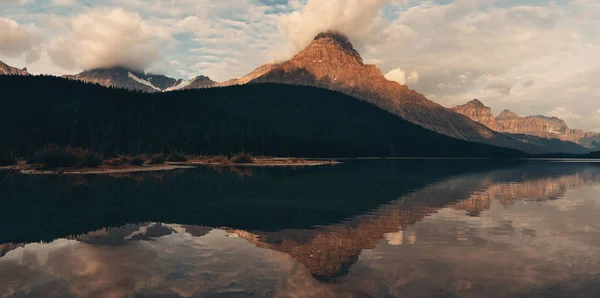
[6,69]
[122,78]
[530,126]
[279,120]
[332,63]
[196,83]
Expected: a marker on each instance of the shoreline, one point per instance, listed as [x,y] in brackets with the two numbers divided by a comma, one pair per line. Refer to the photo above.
[99,170]
[30,169]
[283,162]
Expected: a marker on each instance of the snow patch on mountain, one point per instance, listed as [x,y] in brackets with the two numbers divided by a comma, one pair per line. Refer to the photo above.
[142,81]
[180,86]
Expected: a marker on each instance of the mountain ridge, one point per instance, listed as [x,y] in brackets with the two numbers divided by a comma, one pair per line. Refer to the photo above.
[535,125]
[135,80]
[331,62]
[6,69]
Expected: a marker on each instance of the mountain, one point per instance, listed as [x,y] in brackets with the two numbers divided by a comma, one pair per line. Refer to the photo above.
[331,62]
[196,83]
[547,127]
[266,119]
[6,69]
[538,126]
[123,78]
[477,111]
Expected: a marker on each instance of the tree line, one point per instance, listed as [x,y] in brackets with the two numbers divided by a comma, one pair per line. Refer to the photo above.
[265,119]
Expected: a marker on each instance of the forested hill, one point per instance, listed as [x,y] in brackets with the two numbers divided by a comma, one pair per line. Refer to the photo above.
[266,119]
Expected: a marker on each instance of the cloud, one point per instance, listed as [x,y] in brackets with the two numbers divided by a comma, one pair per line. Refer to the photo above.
[501,89]
[413,78]
[528,84]
[17,40]
[357,19]
[563,113]
[397,75]
[64,2]
[105,38]
[402,77]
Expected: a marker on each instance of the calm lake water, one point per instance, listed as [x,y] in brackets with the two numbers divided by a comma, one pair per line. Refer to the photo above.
[369,228]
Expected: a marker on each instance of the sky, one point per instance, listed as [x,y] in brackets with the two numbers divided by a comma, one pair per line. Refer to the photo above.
[535,57]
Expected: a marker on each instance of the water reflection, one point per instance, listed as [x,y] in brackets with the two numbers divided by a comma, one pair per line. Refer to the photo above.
[526,229]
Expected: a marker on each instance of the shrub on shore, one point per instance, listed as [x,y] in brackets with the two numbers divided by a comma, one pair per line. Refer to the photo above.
[56,157]
[157,159]
[242,158]
[137,160]
[117,161]
[177,157]
[219,159]
[90,159]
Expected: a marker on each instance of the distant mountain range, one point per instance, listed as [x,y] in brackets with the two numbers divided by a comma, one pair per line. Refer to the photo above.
[331,62]
[541,126]
[123,78]
[9,70]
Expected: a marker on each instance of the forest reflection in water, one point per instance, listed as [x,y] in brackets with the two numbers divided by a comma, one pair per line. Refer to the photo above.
[454,228]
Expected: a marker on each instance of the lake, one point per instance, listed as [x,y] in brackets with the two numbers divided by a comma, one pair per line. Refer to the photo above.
[364,228]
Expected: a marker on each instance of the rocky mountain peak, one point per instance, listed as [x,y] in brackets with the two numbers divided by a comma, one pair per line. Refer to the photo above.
[475,102]
[331,45]
[538,126]
[478,112]
[507,115]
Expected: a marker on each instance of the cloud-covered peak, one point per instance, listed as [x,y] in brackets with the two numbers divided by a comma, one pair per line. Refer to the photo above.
[357,19]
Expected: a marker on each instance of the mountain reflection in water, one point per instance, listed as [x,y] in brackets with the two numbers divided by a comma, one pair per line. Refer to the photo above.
[455,228]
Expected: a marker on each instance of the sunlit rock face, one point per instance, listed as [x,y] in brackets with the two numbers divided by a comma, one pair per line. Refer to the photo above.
[477,111]
[547,127]
[331,62]
[507,193]
[6,69]
[539,126]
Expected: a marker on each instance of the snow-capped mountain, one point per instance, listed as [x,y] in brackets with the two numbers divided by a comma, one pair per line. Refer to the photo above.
[119,77]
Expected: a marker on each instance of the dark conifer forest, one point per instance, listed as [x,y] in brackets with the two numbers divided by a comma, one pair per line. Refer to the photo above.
[265,119]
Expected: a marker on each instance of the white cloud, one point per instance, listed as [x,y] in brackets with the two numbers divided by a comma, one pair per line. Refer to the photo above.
[413,78]
[402,77]
[397,75]
[105,38]
[64,2]
[563,113]
[17,40]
